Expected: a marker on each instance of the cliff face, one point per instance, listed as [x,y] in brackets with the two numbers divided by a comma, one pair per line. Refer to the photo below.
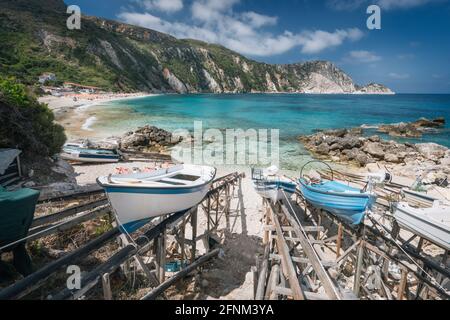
[118,56]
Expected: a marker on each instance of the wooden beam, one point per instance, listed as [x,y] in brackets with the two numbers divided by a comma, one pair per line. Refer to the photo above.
[36,279]
[312,255]
[262,274]
[339,241]
[286,259]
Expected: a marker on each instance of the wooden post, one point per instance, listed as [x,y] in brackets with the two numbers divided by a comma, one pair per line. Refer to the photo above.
[339,241]
[254,270]
[262,275]
[183,235]
[107,294]
[402,285]
[275,279]
[194,234]
[359,265]
[266,222]
[162,256]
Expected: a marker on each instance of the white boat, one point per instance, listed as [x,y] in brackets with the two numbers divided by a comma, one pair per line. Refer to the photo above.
[138,197]
[76,152]
[431,223]
[269,185]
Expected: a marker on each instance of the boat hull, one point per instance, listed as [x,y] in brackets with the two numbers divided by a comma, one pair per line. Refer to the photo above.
[89,158]
[274,190]
[415,221]
[135,205]
[349,207]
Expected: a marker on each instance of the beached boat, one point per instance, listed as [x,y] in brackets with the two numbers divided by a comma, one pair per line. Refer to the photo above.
[348,203]
[269,185]
[137,198]
[432,223]
[76,152]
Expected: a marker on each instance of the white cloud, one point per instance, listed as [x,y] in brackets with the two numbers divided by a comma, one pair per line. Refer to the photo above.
[350,5]
[345,4]
[258,20]
[362,56]
[168,6]
[402,4]
[399,76]
[214,21]
[317,41]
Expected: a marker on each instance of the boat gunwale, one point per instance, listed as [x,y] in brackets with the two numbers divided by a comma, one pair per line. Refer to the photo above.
[335,193]
[156,187]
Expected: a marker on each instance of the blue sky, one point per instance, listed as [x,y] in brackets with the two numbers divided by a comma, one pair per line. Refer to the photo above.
[411,52]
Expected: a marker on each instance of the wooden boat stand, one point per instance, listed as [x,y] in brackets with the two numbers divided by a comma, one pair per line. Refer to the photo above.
[308,251]
[216,206]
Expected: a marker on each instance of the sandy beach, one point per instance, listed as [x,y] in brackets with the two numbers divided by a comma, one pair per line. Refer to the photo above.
[72,110]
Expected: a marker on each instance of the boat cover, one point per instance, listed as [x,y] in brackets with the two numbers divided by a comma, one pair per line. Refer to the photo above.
[16,213]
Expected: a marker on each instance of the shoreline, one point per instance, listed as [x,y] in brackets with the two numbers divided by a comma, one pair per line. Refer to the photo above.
[74,115]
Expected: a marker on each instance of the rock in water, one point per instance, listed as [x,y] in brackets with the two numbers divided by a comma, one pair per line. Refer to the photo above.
[148,138]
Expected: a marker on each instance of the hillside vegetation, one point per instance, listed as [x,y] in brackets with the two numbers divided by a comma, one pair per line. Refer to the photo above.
[26,123]
[121,57]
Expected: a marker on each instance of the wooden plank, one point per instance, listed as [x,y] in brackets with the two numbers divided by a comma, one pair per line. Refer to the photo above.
[65,225]
[359,264]
[323,275]
[286,259]
[34,280]
[339,241]
[263,274]
[402,285]
[120,256]
[51,218]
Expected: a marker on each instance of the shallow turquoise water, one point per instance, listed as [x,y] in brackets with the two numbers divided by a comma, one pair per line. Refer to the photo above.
[292,114]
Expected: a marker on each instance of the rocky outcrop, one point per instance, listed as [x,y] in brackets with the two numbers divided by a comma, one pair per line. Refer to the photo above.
[430,161]
[373,88]
[148,138]
[412,129]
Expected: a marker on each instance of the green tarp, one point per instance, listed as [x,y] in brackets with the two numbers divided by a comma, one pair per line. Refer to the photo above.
[16,214]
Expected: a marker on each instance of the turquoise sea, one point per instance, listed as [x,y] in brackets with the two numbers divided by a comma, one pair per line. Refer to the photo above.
[292,114]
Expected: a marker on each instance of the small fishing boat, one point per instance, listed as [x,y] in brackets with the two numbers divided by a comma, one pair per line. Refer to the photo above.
[76,152]
[348,203]
[16,215]
[269,185]
[137,198]
[432,223]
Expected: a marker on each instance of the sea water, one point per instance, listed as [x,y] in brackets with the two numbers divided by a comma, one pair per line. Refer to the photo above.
[292,114]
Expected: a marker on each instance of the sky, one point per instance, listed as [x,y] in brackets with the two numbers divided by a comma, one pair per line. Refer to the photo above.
[409,54]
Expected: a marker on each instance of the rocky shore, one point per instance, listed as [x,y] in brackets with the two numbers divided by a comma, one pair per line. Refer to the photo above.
[143,139]
[428,161]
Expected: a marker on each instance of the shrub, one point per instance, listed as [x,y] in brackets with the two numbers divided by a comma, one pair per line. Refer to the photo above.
[27,124]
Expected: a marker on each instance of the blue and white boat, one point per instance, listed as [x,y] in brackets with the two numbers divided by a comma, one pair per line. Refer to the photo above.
[137,198]
[269,185]
[78,153]
[348,203]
